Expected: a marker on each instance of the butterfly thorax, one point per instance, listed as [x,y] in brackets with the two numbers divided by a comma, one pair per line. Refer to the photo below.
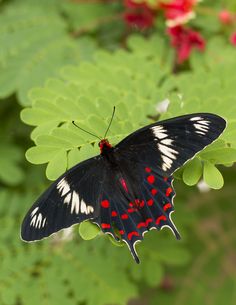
[105,147]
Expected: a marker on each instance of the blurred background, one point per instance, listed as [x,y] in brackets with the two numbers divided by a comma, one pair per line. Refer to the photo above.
[64,60]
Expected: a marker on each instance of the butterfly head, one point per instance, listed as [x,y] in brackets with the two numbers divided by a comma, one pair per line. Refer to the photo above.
[104,145]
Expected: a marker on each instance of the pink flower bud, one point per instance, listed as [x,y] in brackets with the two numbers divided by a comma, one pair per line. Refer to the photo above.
[225,17]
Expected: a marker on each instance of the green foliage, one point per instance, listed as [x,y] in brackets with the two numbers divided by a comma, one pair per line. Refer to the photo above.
[34,46]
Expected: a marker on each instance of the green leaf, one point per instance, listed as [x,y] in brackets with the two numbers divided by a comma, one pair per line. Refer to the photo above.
[34,47]
[57,165]
[220,156]
[192,172]
[212,176]
[88,230]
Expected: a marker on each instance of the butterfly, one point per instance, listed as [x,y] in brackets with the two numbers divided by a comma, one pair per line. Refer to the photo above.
[127,189]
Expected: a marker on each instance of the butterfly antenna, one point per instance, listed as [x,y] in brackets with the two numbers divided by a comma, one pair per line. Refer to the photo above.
[73,122]
[113,113]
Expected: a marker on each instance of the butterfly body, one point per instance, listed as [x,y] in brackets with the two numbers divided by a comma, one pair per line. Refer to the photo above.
[127,189]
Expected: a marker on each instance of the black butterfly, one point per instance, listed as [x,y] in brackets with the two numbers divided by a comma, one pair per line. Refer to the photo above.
[128,187]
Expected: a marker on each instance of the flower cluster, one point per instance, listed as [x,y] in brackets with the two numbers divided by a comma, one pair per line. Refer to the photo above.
[142,14]
[176,12]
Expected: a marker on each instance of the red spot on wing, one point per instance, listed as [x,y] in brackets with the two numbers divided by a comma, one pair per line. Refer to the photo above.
[105,226]
[167,206]
[165,178]
[131,204]
[105,204]
[148,169]
[113,213]
[144,224]
[131,234]
[131,210]
[150,202]
[121,232]
[168,191]
[124,185]
[154,191]
[124,216]
[162,217]
[139,203]
[148,220]
[151,179]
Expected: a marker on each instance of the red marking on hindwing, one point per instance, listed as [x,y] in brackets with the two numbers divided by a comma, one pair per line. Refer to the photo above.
[131,210]
[154,191]
[105,226]
[148,169]
[124,216]
[144,224]
[131,234]
[131,204]
[151,179]
[162,217]
[165,178]
[167,206]
[139,203]
[121,232]
[150,202]
[124,185]
[113,213]
[168,191]
[105,204]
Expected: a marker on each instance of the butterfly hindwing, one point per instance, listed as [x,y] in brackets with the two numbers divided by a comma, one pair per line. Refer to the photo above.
[134,200]
[72,198]
[168,144]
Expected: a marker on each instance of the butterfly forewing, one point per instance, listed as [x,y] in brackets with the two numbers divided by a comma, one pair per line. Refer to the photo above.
[72,198]
[126,190]
[169,144]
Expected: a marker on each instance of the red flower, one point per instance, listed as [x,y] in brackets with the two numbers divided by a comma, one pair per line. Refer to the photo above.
[226,17]
[141,19]
[178,12]
[233,38]
[138,14]
[184,41]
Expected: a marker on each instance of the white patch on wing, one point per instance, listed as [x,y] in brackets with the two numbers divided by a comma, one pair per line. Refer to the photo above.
[201,125]
[39,220]
[168,154]
[34,211]
[75,204]
[196,118]
[44,222]
[90,209]
[167,151]
[159,132]
[167,141]
[32,223]
[63,187]
[67,198]
[72,198]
